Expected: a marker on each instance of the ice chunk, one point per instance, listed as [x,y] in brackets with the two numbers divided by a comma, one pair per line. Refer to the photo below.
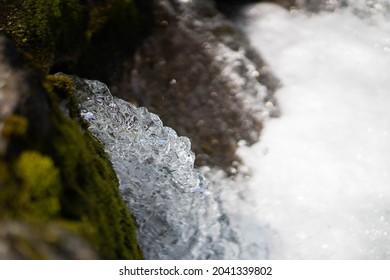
[176,217]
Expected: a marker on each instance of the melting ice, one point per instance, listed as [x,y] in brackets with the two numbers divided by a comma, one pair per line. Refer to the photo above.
[177,216]
[320,184]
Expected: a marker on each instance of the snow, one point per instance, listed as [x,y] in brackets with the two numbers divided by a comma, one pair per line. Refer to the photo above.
[320,184]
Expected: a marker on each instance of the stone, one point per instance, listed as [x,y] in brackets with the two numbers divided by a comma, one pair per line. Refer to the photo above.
[26,241]
[17,82]
[198,72]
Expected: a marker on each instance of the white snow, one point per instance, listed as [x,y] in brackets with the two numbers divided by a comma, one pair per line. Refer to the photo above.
[320,187]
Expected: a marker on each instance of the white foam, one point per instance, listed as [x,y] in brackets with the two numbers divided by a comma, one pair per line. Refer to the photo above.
[321,173]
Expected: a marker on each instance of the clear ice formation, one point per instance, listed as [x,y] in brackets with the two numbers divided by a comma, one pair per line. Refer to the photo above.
[177,216]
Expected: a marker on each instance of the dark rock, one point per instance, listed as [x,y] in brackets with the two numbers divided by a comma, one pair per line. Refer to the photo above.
[320,5]
[198,72]
[24,241]
[232,8]
[17,83]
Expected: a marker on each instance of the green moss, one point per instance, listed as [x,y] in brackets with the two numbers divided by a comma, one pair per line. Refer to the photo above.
[38,177]
[64,35]
[90,188]
[62,85]
[61,173]
[14,125]
[43,29]
[69,180]
[30,188]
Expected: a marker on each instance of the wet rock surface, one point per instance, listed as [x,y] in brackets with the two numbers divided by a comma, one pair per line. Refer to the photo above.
[360,7]
[24,241]
[199,74]
[53,172]
[20,94]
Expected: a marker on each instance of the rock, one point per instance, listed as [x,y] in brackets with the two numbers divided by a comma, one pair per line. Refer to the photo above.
[17,83]
[362,8]
[25,241]
[232,8]
[52,170]
[198,72]
[320,5]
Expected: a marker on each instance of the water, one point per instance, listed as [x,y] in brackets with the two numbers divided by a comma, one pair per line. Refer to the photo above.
[320,183]
[316,185]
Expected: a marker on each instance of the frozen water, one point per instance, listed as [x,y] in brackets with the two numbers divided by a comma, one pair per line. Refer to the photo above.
[177,216]
[320,183]
[155,147]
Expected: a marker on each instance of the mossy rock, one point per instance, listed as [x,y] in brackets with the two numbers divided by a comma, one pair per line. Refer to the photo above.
[58,173]
[45,29]
[74,35]
[90,189]
[14,125]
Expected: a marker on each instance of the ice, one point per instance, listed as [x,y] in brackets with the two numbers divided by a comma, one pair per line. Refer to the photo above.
[322,188]
[176,211]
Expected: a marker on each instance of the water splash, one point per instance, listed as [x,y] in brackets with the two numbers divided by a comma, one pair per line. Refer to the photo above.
[362,8]
[320,172]
[179,216]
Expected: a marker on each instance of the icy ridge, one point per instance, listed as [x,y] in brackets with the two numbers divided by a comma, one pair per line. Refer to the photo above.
[176,215]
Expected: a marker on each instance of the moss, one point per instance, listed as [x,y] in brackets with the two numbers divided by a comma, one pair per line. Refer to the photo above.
[68,180]
[90,188]
[55,171]
[31,188]
[14,125]
[45,29]
[74,35]
[40,186]
[62,85]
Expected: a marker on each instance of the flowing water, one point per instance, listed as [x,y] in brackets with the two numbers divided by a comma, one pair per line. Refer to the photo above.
[316,185]
[320,183]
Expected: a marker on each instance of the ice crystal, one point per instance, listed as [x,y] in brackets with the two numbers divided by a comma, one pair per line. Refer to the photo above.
[176,215]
